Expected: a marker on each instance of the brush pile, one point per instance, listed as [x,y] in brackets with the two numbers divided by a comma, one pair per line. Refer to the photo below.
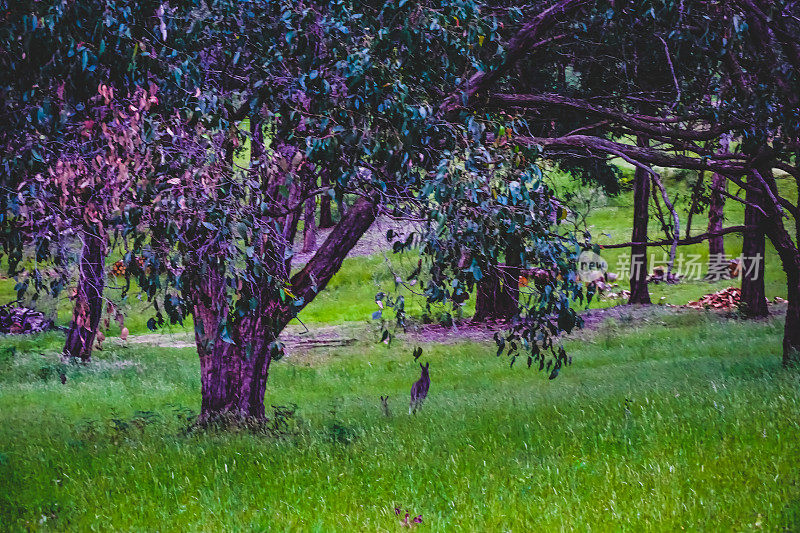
[725,299]
[15,319]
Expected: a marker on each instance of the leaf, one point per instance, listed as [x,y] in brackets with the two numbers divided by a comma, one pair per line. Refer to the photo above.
[225,335]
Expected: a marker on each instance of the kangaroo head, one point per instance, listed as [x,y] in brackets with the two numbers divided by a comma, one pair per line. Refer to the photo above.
[424,368]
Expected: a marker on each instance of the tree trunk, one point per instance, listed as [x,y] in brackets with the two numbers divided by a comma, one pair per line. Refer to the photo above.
[325,216]
[789,252]
[309,225]
[234,376]
[341,206]
[88,306]
[641,198]
[717,262]
[790,259]
[791,329]
[754,301]
[497,294]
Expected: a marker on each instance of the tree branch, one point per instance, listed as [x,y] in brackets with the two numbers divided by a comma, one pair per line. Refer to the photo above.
[682,242]
[652,126]
[313,278]
[648,156]
[525,41]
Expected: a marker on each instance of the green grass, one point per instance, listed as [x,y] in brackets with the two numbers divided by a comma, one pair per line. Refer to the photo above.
[709,441]
[609,221]
[349,297]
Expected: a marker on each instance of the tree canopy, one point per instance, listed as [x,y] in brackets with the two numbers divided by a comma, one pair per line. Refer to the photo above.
[189,135]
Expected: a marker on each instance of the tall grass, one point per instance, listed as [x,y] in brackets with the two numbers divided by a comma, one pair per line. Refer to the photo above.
[680,422]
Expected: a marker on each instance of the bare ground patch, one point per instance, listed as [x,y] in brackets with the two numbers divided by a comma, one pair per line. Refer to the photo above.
[299,339]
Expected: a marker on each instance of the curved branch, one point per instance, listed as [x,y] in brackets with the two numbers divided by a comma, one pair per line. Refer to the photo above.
[528,39]
[682,242]
[648,156]
[319,270]
[639,123]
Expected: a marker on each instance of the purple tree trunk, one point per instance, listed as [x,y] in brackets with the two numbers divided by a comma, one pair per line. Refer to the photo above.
[325,215]
[234,376]
[88,306]
[754,301]
[789,252]
[497,294]
[309,225]
[791,331]
[641,215]
[716,219]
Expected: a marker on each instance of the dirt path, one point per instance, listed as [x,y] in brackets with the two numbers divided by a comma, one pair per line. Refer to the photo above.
[294,336]
[298,338]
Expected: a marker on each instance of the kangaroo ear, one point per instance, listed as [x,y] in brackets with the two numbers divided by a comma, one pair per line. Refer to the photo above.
[421,365]
[427,365]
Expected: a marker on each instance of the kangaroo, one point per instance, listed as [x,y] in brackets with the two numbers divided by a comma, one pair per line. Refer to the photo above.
[385,406]
[419,391]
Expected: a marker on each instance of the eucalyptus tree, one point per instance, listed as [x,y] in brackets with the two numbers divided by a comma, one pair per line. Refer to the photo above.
[684,75]
[343,93]
[75,79]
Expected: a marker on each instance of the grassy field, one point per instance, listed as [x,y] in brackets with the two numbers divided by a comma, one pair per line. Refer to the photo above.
[681,421]
[678,420]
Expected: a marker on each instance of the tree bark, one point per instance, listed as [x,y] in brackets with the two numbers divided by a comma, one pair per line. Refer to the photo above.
[88,306]
[234,376]
[523,43]
[789,252]
[717,262]
[641,214]
[790,257]
[716,218]
[313,278]
[310,225]
[341,206]
[497,295]
[753,299]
